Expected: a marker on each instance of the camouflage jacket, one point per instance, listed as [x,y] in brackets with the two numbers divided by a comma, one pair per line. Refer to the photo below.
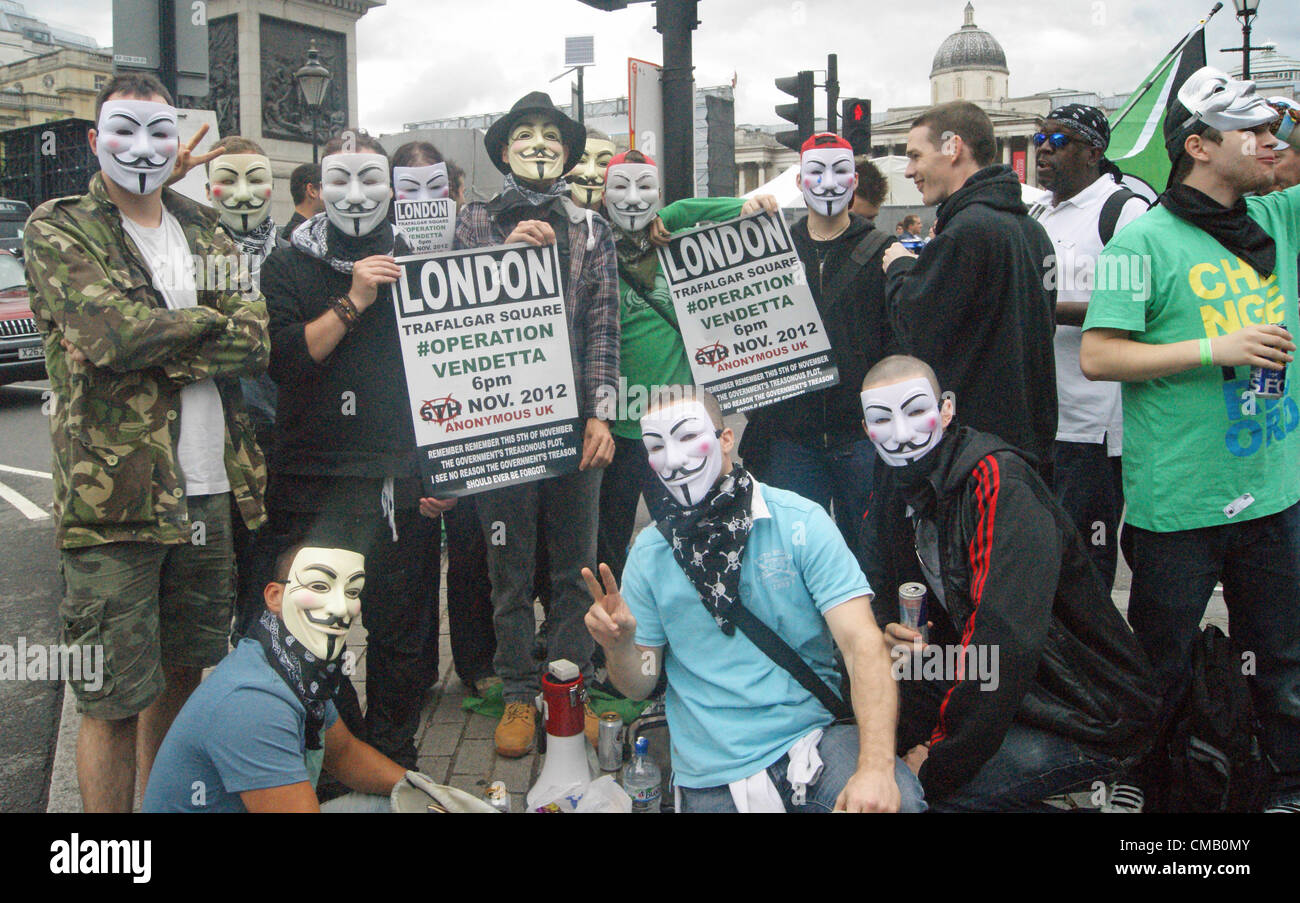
[115,426]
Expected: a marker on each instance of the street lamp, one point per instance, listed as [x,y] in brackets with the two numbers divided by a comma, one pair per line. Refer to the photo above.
[1246,10]
[314,81]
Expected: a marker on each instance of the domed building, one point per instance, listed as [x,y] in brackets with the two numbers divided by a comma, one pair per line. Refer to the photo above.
[969,65]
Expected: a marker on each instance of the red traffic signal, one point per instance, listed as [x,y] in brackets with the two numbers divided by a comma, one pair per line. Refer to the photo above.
[855,112]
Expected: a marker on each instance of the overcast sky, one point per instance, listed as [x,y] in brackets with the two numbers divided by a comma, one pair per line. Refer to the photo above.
[424,59]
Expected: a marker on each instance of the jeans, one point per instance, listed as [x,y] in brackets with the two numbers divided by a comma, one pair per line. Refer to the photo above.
[1031,764]
[841,474]
[1091,490]
[1258,562]
[625,479]
[469,594]
[509,520]
[839,752]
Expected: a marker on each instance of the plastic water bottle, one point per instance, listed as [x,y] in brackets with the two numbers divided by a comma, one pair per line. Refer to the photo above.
[641,779]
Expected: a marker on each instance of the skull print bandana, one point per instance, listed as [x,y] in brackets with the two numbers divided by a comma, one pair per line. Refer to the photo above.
[708,541]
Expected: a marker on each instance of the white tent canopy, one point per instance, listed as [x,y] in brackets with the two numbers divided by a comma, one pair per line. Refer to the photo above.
[902,192]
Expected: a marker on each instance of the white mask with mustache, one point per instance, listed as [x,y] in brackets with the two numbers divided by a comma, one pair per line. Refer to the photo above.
[137,142]
[356,191]
[587,179]
[241,188]
[321,597]
[632,194]
[903,419]
[684,450]
[536,148]
[421,183]
[827,178]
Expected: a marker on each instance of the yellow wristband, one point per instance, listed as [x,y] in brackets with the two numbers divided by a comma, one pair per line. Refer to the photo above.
[1207,357]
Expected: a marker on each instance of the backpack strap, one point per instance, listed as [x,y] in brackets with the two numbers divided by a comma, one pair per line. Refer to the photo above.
[779,651]
[872,244]
[1111,210]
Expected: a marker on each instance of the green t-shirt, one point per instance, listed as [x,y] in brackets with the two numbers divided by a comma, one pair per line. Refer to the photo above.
[651,351]
[1198,440]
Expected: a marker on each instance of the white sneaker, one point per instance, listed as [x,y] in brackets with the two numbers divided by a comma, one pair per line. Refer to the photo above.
[1127,798]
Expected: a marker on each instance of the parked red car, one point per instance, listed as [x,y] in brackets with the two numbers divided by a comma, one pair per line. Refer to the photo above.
[22,352]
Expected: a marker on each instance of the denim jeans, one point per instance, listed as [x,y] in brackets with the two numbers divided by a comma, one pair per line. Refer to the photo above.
[1031,764]
[1089,484]
[841,474]
[1258,562]
[509,520]
[839,752]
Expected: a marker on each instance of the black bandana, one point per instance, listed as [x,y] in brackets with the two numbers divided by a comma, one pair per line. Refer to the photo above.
[258,242]
[320,238]
[709,539]
[1231,226]
[1089,122]
[544,198]
[311,679]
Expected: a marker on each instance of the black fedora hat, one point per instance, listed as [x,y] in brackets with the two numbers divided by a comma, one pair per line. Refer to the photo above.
[573,133]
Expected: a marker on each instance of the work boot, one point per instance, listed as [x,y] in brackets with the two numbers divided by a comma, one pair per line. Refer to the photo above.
[515,732]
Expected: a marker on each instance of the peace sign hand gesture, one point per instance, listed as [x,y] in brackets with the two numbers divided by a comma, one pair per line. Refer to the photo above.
[186,159]
[609,620]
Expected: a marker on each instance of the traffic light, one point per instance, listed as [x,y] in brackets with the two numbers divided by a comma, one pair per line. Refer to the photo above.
[800,112]
[856,123]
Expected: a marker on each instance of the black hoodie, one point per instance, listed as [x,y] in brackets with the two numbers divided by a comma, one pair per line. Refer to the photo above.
[1016,577]
[975,307]
[850,299]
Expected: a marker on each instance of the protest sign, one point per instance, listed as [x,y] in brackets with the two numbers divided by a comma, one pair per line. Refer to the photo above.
[485,345]
[750,325]
[428,225]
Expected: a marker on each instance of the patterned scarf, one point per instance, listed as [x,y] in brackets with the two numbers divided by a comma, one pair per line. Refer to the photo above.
[311,680]
[318,238]
[557,189]
[638,261]
[709,540]
[258,242]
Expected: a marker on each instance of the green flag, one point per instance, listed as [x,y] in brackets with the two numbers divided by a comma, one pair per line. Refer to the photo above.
[1137,135]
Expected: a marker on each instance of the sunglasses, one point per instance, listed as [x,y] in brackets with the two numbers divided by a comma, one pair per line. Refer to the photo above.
[1057,140]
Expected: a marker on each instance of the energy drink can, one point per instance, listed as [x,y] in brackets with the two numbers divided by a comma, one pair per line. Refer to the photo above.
[609,746]
[911,608]
[1266,382]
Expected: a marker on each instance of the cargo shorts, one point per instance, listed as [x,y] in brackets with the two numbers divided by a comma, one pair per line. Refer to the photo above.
[147,604]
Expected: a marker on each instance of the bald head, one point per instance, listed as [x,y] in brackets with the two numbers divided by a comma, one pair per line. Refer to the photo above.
[898,367]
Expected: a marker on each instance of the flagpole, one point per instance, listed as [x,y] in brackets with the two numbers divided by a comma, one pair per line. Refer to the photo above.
[1171,56]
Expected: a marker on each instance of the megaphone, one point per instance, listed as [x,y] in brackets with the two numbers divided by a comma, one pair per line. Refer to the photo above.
[564,700]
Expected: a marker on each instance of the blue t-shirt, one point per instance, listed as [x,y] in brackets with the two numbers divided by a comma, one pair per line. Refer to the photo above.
[243,729]
[732,710]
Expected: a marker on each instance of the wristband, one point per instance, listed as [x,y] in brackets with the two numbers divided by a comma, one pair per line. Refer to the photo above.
[1207,357]
[346,310]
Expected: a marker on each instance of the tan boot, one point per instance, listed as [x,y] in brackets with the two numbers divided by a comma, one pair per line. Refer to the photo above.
[591,727]
[516,730]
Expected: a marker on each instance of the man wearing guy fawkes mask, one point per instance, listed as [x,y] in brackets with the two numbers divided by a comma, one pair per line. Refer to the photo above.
[748,735]
[258,731]
[143,353]
[811,444]
[1070,698]
[651,352]
[533,146]
[345,452]
[587,179]
[239,186]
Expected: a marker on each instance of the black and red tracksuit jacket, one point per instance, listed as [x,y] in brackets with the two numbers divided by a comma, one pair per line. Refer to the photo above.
[1016,574]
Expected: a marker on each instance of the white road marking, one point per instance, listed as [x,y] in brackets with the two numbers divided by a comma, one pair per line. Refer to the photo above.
[24,472]
[30,509]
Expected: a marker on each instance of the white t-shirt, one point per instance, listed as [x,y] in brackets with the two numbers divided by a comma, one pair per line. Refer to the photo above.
[201,454]
[1086,411]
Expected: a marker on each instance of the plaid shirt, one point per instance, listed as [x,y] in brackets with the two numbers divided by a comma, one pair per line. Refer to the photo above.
[590,293]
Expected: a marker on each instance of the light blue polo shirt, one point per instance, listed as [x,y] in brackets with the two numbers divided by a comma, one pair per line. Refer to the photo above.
[731,709]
